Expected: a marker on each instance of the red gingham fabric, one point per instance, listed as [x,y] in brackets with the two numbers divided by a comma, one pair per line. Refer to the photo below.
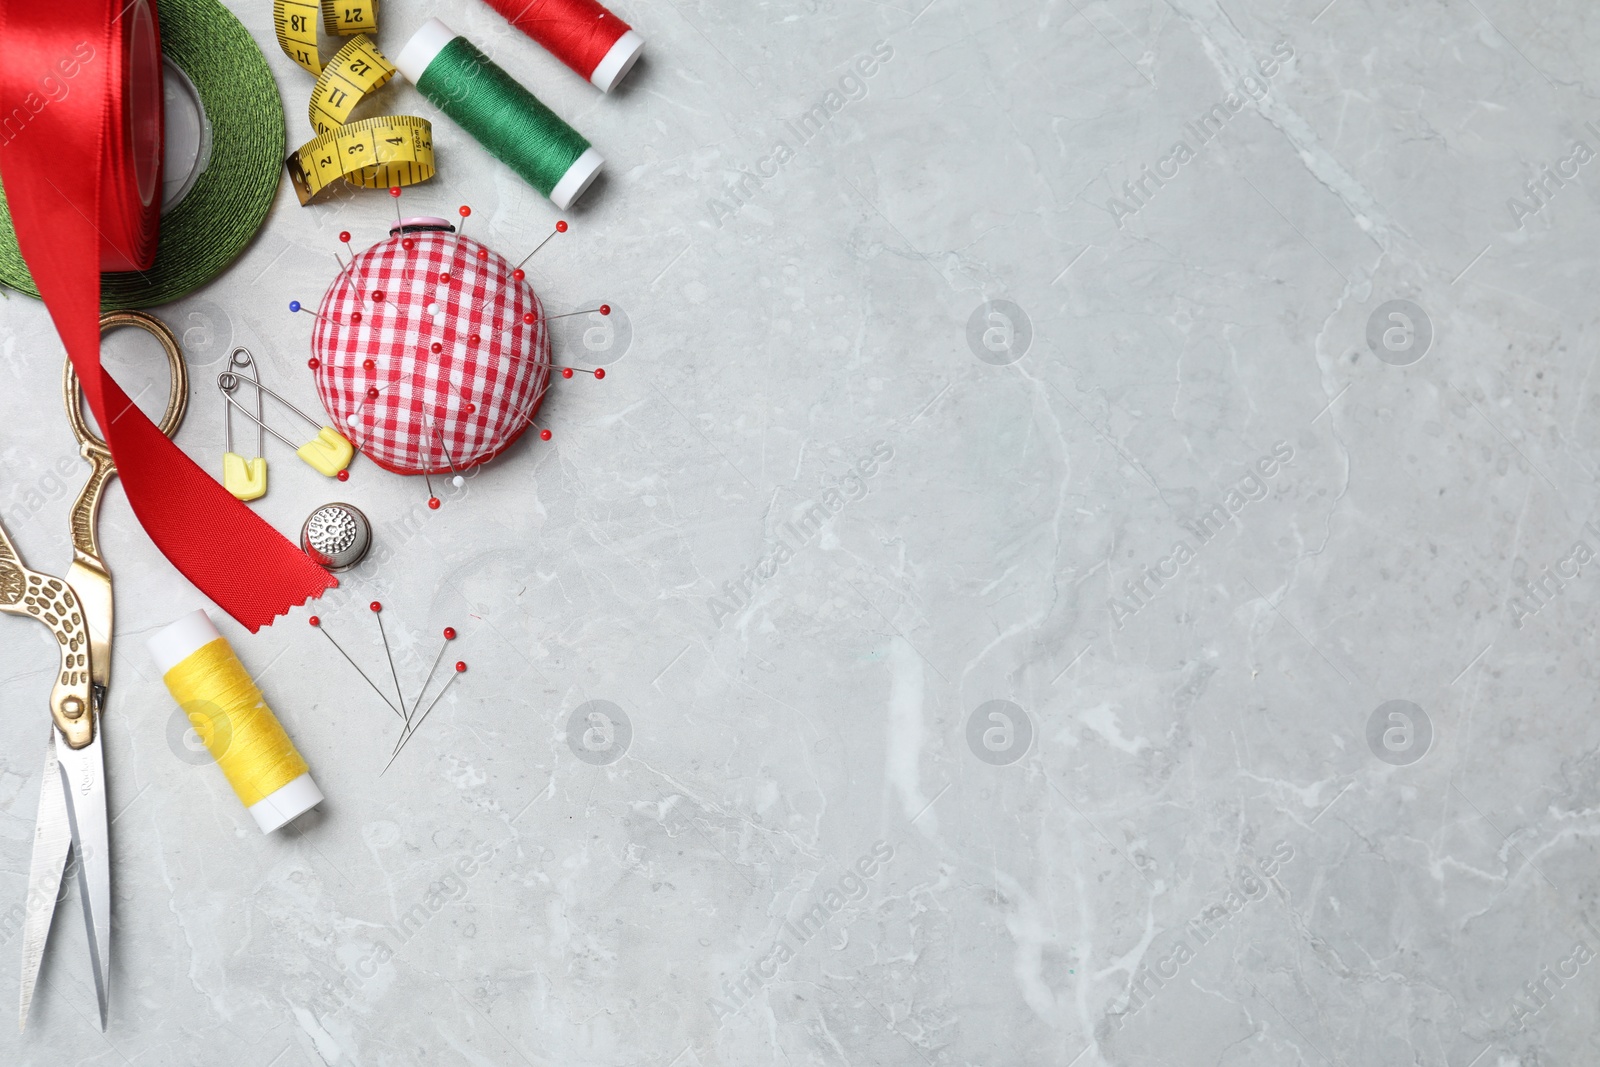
[434,412]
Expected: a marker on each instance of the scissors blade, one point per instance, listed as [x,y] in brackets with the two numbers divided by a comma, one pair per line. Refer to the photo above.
[52,839]
[83,779]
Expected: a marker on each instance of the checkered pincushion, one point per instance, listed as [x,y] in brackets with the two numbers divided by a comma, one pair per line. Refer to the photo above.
[431,358]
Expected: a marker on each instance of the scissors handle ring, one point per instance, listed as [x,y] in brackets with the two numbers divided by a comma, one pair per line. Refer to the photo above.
[177,398]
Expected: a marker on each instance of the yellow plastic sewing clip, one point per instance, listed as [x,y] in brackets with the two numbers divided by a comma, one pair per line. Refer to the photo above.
[328,453]
[246,479]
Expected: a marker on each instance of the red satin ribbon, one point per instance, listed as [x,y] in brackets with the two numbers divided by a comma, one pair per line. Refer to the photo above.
[74,158]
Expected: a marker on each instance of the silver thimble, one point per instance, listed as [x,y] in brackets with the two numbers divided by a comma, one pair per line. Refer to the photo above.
[336,536]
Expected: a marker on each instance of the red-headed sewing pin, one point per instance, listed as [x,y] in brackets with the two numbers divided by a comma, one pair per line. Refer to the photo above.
[603,309]
[377,611]
[518,274]
[317,623]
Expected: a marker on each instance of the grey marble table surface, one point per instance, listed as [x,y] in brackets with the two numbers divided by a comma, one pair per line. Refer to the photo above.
[1085,553]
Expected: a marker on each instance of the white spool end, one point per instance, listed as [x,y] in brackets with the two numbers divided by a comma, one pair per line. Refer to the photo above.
[178,642]
[424,45]
[578,177]
[615,66]
[279,809]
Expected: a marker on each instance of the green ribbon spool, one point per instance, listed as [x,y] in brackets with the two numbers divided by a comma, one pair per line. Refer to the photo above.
[210,226]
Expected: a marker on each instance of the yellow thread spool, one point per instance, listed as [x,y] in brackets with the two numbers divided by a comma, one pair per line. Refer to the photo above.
[228,712]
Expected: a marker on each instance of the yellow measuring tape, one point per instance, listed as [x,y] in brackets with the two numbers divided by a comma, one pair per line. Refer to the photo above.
[357,70]
[296,24]
[346,18]
[372,153]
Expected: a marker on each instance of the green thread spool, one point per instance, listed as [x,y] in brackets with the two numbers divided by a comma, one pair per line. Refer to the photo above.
[512,123]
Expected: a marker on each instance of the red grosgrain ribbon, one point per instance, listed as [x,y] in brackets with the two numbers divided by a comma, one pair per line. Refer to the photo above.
[80,156]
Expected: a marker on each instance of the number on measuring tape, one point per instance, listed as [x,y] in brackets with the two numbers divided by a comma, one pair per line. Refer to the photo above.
[372,153]
[350,76]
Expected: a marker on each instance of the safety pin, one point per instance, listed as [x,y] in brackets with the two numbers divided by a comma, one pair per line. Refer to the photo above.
[245,479]
[328,452]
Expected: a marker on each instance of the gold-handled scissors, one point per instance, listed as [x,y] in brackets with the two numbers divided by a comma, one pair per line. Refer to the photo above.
[78,611]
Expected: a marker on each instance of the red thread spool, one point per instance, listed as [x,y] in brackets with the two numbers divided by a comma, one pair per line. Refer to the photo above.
[582,34]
